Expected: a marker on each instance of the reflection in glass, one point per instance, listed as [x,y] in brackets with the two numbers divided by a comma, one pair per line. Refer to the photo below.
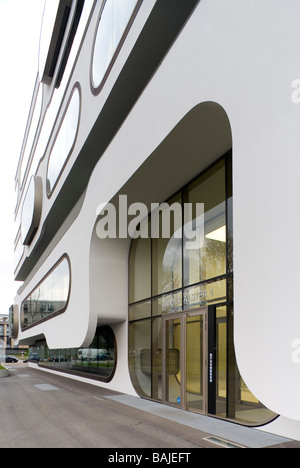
[140,270]
[195,362]
[64,141]
[49,297]
[19,250]
[208,260]
[31,210]
[204,294]
[99,359]
[157,358]
[173,361]
[28,211]
[113,22]
[187,276]
[167,251]
[32,133]
[140,356]
[140,310]
[167,304]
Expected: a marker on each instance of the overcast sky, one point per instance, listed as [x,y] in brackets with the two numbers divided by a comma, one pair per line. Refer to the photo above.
[20,22]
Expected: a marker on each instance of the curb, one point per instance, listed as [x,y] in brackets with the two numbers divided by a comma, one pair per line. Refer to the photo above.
[4,373]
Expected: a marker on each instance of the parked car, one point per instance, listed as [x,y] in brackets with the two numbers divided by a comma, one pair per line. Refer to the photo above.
[58,359]
[8,358]
[34,357]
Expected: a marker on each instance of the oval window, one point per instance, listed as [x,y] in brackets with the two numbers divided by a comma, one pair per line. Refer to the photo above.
[114,19]
[64,142]
[31,210]
[31,135]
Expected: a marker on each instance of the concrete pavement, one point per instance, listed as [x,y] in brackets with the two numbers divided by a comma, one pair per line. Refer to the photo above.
[42,410]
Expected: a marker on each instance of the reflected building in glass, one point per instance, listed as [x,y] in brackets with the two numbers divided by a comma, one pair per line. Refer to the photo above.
[189,309]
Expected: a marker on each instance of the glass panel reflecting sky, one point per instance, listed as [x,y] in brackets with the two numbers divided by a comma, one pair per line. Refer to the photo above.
[64,140]
[49,297]
[114,19]
[31,134]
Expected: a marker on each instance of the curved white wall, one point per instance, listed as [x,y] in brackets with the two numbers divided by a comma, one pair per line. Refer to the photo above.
[243,56]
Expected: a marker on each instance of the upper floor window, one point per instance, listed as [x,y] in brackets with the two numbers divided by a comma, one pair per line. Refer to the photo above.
[115,20]
[49,297]
[37,106]
[55,19]
[31,210]
[64,142]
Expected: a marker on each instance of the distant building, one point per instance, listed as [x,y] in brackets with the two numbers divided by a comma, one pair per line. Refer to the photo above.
[4,331]
[193,104]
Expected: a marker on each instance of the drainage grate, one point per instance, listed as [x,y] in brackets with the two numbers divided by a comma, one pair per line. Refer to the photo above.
[222,442]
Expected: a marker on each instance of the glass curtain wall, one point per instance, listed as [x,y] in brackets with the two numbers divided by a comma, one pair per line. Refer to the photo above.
[183,273]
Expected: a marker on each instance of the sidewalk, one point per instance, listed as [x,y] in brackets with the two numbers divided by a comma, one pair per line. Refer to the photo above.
[235,435]
[42,410]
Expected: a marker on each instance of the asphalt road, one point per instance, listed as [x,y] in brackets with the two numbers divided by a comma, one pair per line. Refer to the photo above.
[42,410]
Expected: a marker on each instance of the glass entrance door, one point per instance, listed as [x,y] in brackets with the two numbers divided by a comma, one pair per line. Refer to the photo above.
[195,362]
[173,361]
[185,360]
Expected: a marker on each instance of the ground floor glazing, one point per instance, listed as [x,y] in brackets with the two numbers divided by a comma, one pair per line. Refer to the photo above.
[181,310]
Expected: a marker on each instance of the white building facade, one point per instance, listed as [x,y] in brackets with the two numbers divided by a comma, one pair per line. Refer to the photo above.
[149,102]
